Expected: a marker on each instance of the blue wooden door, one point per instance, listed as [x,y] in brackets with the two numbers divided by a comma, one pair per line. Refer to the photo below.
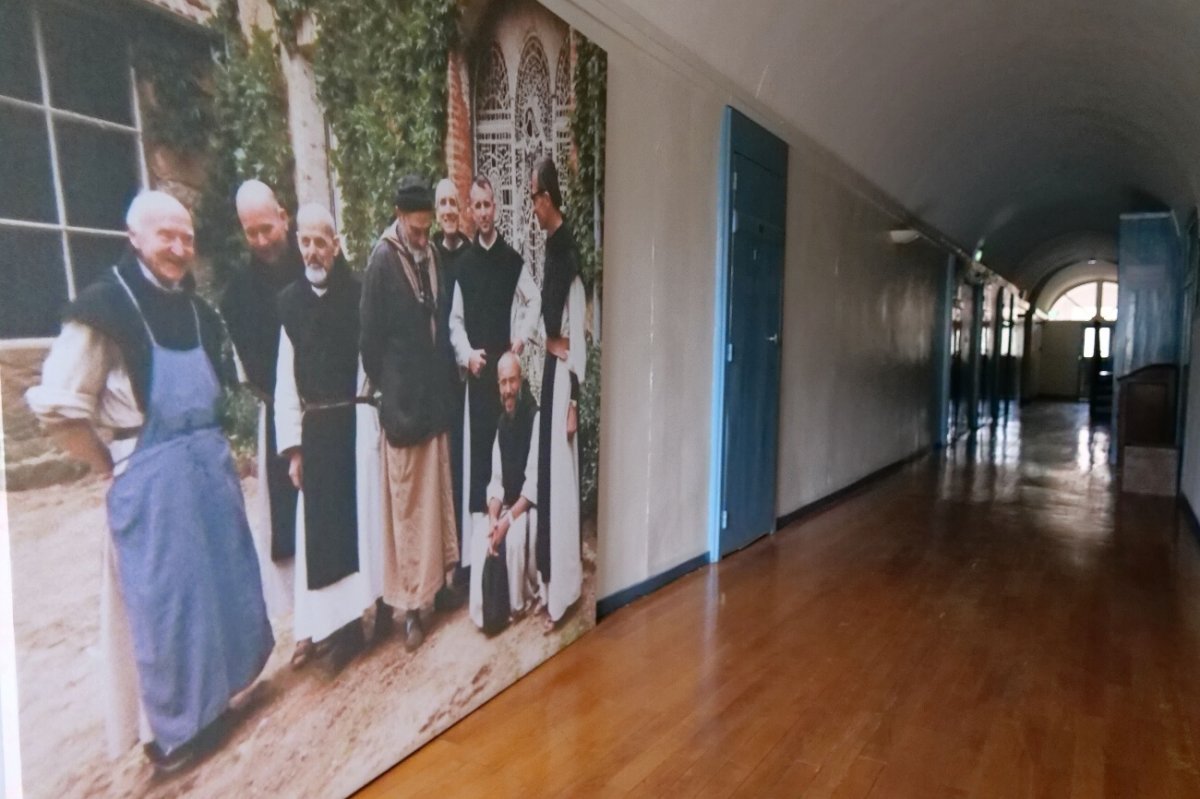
[758,187]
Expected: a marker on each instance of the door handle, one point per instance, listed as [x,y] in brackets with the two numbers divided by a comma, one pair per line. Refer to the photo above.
[773,338]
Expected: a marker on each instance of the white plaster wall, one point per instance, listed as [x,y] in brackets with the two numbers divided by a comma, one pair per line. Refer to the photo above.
[663,141]
[3,783]
[858,318]
[859,322]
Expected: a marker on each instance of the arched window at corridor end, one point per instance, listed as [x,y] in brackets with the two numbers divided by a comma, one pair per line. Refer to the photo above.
[1090,301]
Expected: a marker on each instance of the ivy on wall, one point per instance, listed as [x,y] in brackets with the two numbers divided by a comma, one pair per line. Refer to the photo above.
[288,16]
[584,190]
[249,137]
[179,115]
[229,107]
[584,210]
[589,433]
[381,78]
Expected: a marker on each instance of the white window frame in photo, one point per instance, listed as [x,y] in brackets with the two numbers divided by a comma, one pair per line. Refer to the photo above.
[51,115]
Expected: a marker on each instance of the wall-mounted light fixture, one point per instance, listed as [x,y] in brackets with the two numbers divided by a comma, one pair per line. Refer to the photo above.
[903,235]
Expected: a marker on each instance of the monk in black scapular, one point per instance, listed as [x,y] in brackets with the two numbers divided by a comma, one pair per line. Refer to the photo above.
[329,433]
[452,244]
[450,240]
[249,308]
[507,532]
[564,306]
[494,310]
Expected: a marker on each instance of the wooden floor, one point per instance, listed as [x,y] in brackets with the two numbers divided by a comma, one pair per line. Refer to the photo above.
[997,624]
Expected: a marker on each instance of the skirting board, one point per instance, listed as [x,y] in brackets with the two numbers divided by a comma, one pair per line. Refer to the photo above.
[824,502]
[623,597]
[1193,522]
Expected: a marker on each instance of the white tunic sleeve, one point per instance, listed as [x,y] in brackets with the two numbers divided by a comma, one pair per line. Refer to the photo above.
[530,488]
[84,377]
[495,488]
[526,307]
[287,397]
[458,330]
[573,324]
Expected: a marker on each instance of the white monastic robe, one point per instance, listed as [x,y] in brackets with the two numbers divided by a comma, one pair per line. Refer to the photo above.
[321,612]
[525,313]
[566,560]
[277,576]
[520,542]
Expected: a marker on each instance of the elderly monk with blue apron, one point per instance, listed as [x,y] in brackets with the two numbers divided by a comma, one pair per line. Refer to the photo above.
[187,583]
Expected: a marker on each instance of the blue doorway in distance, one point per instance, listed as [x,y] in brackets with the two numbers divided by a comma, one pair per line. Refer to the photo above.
[754,211]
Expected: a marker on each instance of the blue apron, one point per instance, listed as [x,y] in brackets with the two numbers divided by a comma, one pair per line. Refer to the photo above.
[187,567]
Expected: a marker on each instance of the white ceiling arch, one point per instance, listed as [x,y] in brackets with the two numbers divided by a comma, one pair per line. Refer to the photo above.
[1069,277]
[1050,257]
[1008,123]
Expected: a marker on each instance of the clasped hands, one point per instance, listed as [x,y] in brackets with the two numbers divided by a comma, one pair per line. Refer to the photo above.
[499,529]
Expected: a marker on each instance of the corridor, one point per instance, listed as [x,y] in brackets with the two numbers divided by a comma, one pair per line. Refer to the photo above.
[995,623]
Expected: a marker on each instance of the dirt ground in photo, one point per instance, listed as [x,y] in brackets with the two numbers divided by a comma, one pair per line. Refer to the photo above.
[302,733]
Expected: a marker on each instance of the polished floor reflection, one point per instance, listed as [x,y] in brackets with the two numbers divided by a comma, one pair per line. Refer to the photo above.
[998,622]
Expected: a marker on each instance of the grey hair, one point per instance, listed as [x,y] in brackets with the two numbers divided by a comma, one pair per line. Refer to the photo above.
[317,213]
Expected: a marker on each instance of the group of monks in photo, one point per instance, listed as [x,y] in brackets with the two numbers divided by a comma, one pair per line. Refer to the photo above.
[405,467]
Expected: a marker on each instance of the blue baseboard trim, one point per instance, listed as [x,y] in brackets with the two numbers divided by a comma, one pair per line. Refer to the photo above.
[621,598]
[826,501]
[1189,513]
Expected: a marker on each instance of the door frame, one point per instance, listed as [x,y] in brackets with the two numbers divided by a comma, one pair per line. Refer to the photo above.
[721,310]
[716,426]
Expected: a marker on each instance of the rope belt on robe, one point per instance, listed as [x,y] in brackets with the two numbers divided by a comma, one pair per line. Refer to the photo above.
[328,406]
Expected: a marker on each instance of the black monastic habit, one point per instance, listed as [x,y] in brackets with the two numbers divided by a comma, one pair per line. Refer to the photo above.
[515,434]
[323,331]
[487,281]
[562,267]
[249,306]
[449,257]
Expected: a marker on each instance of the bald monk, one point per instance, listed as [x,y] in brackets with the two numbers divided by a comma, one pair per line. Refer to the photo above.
[249,308]
[183,623]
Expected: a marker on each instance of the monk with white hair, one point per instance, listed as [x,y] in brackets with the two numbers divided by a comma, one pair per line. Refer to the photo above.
[183,624]
[249,307]
[329,434]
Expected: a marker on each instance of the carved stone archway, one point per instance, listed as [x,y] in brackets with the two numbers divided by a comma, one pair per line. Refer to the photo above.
[522,101]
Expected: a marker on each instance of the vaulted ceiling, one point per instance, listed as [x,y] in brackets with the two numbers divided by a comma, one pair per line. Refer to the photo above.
[1022,126]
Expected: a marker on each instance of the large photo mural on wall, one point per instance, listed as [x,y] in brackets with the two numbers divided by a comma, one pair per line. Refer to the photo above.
[301,386]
